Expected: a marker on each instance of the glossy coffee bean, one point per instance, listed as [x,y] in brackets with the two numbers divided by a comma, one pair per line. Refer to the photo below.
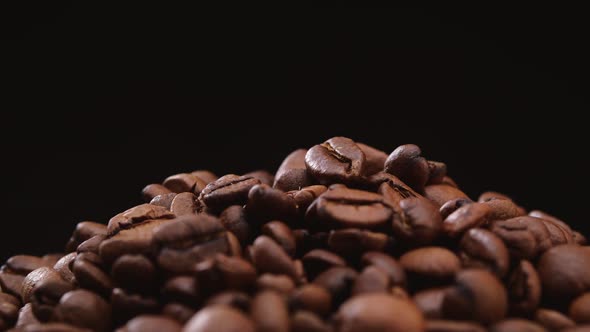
[553,320]
[565,271]
[269,312]
[337,160]
[318,260]
[152,190]
[452,206]
[24,264]
[33,279]
[278,283]
[264,176]
[205,175]
[269,257]
[11,283]
[430,302]
[183,289]
[183,182]
[338,281]
[524,289]
[430,265]
[466,217]
[502,209]
[436,172]
[418,222]
[282,235]
[89,271]
[164,200]
[227,190]
[84,230]
[178,311]
[292,174]
[354,242]
[579,309]
[387,264]
[184,203]
[46,295]
[371,280]
[63,267]
[482,248]
[219,318]
[234,220]
[374,159]
[134,272]
[266,203]
[84,309]
[313,298]
[137,215]
[126,305]
[526,237]
[408,165]
[439,194]
[25,316]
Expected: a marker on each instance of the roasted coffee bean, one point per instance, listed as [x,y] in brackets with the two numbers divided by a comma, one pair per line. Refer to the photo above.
[47,294]
[184,289]
[374,159]
[516,325]
[526,237]
[11,283]
[452,206]
[51,327]
[436,172]
[524,289]
[337,281]
[184,203]
[136,215]
[227,190]
[305,321]
[235,272]
[151,323]
[34,278]
[135,273]
[266,203]
[476,295]
[184,182]
[187,240]
[152,190]
[304,197]
[579,309]
[164,200]
[275,282]
[236,299]
[418,222]
[399,190]
[269,257]
[387,264]
[63,267]
[206,176]
[439,194]
[26,316]
[318,260]
[579,238]
[292,174]
[430,301]
[88,269]
[24,264]
[234,220]
[269,312]
[264,177]
[430,266]
[92,245]
[84,309]
[466,217]
[84,231]
[371,280]
[313,298]
[219,318]
[338,160]
[282,235]
[8,314]
[437,325]
[178,311]
[353,241]
[482,248]
[502,209]
[553,320]
[408,165]
[345,207]
[127,305]
[378,313]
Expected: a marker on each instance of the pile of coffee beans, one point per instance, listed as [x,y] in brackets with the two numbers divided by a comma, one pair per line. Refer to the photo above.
[342,238]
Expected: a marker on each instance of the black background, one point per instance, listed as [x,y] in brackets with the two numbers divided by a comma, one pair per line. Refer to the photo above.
[98,102]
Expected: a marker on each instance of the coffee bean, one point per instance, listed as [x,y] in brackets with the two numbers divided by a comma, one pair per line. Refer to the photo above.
[452,206]
[337,281]
[219,318]
[33,279]
[378,313]
[408,165]
[525,237]
[352,241]
[52,327]
[24,264]
[135,273]
[262,175]
[136,215]
[282,235]
[151,323]
[430,301]
[236,299]
[553,320]
[128,305]
[337,160]
[482,248]
[235,272]
[318,260]
[150,191]
[399,191]
[184,182]
[371,280]
[184,203]
[206,176]
[292,174]
[274,282]
[269,257]
[26,316]
[179,312]
[502,209]
[430,265]
[305,321]
[183,289]
[234,220]
[269,312]
[387,264]
[466,217]
[11,283]
[84,231]
[579,309]
[89,272]
[8,314]
[266,203]
[227,190]
[579,238]
[84,309]
[374,159]
[436,172]
[91,245]
[418,222]
[524,289]
[313,298]
[439,194]
[437,325]
[164,200]
[516,325]
[304,197]
[47,294]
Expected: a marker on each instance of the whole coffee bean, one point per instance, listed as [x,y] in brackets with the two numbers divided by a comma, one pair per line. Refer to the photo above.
[135,273]
[579,238]
[418,222]
[11,283]
[313,298]
[7,298]
[378,313]
[449,181]
[437,325]
[33,279]
[374,159]
[84,309]
[91,245]
[476,295]
[502,209]
[292,174]
[236,299]
[266,203]
[26,316]
[219,318]
[151,323]
[408,165]
[24,264]
[235,272]
[235,248]
[557,234]
[387,264]
[277,283]
[234,220]
[127,305]
[525,237]
[430,301]
[337,160]
[228,190]
[137,215]
[399,188]
[183,289]
[178,311]
[269,257]
[547,216]
[337,281]
[579,309]
[205,175]
[282,235]
[89,272]
[482,248]
[8,314]
[305,321]
[524,289]
[187,240]
[430,265]
[47,294]
[318,260]
[269,312]
[436,172]
[439,194]
[84,231]
[152,190]
[345,207]
[63,267]
[466,217]
[371,280]
[516,325]
[304,197]
[164,200]
[184,203]
[262,175]
[353,241]
[184,182]
[452,206]
[553,320]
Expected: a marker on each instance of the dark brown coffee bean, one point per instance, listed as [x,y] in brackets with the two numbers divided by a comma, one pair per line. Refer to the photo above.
[378,313]
[371,280]
[89,273]
[84,231]
[579,238]
[264,177]
[318,260]
[449,182]
[439,194]
[183,289]
[350,208]
[235,272]
[387,264]
[164,200]
[352,241]
[337,160]
[24,264]
[269,257]
[292,174]
[184,182]
[399,190]
[430,301]
[234,220]
[436,172]
[227,190]
[557,235]
[547,216]
[219,318]
[8,314]
[47,294]
[408,165]
[266,203]
[152,190]
[282,234]
[482,248]
[304,197]
[26,316]
[187,240]
[137,215]
[313,298]
[184,203]
[33,279]
[452,326]
[553,320]
[269,312]
[524,289]
[418,222]
[236,299]
[51,327]
[127,305]
[7,298]
[502,209]
[277,283]
[516,325]
[452,206]
[525,237]
[305,321]
[235,248]
[151,323]
[135,273]
[11,283]
[476,295]
[206,176]
[337,281]
[84,309]
[178,311]
[91,245]
[431,265]
[466,217]
[579,309]
[374,159]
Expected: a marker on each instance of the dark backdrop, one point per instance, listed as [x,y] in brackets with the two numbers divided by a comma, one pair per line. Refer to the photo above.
[98,102]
